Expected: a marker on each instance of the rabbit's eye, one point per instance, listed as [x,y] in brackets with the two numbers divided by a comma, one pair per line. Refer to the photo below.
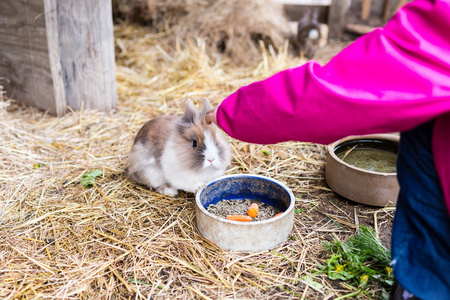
[194,143]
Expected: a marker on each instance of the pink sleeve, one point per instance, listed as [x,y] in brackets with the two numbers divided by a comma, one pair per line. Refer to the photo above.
[391,79]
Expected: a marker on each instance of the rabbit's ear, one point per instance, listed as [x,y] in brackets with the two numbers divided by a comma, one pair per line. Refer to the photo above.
[306,15]
[315,15]
[190,112]
[206,106]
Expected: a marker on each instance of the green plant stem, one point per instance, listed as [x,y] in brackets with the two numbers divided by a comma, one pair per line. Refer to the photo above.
[354,294]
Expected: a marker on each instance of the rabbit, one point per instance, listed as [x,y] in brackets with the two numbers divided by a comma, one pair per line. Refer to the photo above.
[308,34]
[172,153]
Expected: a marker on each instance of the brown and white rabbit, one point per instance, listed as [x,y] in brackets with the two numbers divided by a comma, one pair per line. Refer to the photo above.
[172,153]
[308,33]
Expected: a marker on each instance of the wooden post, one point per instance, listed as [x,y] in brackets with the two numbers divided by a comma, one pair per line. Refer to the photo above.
[336,18]
[365,10]
[87,53]
[387,10]
[58,53]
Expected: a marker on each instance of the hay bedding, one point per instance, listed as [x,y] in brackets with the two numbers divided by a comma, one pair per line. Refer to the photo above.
[118,240]
[233,28]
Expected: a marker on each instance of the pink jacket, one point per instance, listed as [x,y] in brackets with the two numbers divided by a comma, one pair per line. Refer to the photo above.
[391,79]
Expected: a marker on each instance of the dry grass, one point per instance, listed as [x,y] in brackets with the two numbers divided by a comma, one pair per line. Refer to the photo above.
[118,240]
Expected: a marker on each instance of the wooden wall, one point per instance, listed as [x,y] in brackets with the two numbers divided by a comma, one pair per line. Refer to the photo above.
[58,53]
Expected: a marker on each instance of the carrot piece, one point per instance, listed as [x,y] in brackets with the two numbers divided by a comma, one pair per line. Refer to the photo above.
[278,214]
[242,218]
[253,210]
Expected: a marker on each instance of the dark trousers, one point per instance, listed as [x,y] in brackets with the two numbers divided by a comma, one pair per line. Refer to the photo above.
[421,229]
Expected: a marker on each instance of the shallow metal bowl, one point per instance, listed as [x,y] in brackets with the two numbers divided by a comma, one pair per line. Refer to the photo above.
[360,185]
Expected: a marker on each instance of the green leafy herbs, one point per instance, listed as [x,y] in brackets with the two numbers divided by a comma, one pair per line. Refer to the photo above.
[361,258]
[88,178]
[312,283]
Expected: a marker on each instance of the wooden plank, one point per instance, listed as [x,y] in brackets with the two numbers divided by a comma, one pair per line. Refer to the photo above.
[87,53]
[57,53]
[360,28]
[25,59]
[336,18]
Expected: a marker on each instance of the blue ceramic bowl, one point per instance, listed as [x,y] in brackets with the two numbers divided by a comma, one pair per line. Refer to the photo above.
[245,236]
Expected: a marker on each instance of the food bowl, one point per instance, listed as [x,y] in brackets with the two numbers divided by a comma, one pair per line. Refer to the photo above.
[376,185]
[252,236]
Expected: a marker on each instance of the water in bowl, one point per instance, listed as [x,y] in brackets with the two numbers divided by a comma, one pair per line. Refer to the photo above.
[372,155]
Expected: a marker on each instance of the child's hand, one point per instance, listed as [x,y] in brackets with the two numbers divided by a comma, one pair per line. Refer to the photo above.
[211,116]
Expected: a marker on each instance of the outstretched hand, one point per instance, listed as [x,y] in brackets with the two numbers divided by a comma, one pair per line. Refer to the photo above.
[211,116]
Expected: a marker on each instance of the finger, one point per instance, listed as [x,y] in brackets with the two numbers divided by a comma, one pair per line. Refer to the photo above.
[211,116]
